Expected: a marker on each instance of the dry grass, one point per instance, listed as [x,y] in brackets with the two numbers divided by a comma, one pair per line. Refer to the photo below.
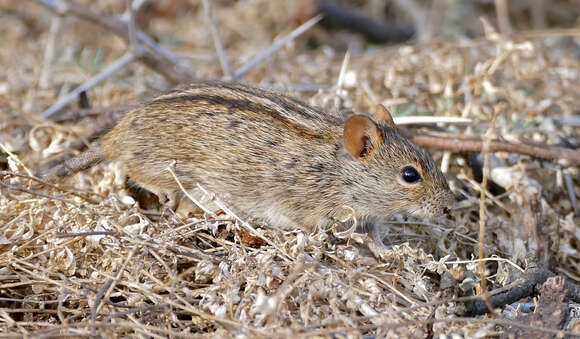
[103,266]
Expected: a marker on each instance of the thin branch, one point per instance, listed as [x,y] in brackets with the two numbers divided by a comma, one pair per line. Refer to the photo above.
[487,137]
[171,68]
[381,31]
[528,284]
[107,72]
[150,43]
[15,158]
[434,18]
[135,310]
[161,61]
[219,47]
[132,26]
[422,119]
[418,14]
[105,291]
[49,52]
[85,234]
[135,6]
[342,73]
[39,194]
[538,8]
[502,13]
[186,193]
[4,174]
[80,113]
[553,32]
[276,46]
[570,188]
[568,156]
[252,230]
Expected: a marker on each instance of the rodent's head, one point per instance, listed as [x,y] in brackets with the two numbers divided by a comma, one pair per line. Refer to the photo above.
[387,173]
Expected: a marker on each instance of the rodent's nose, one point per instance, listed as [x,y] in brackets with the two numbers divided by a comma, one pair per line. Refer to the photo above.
[446,210]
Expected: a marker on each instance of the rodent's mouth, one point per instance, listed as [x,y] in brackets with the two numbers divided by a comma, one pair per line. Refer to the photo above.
[428,211]
[434,207]
[421,213]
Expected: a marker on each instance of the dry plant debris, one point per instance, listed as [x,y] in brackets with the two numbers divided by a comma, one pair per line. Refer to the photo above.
[82,258]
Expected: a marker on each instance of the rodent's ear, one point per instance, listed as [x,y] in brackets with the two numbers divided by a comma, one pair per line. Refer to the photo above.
[361,136]
[383,116]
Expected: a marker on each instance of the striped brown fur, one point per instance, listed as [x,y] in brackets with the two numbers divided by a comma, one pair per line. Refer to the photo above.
[272,157]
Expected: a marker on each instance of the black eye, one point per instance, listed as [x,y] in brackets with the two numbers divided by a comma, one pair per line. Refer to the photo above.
[410,175]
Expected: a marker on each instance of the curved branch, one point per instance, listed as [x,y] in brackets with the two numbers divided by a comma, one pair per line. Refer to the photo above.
[161,61]
[569,156]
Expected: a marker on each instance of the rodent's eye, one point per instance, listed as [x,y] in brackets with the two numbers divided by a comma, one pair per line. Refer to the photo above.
[410,175]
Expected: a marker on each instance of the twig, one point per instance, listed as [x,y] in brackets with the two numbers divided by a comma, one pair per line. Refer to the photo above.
[85,234]
[135,6]
[421,119]
[188,307]
[418,15]
[336,331]
[14,157]
[98,300]
[526,285]
[224,208]
[195,201]
[545,33]
[480,187]
[108,287]
[29,310]
[342,73]
[338,98]
[276,46]
[53,36]
[393,289]
[188,74]
[501,11]
[4,174]
[482,216]
[538,8]
[434,18]
[299,273]
[132,27]
[570,188]
[135,310]
[217,40]
[40,194]
[161,61]
[379,31]
[295,87]
[97,130]
[496,259]
[107,72]
[85,329]
[569,156]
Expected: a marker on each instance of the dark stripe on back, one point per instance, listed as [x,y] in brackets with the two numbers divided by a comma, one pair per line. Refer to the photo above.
[288,103]
[241,104]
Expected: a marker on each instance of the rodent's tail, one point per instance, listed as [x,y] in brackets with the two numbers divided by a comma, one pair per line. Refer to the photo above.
[62,168]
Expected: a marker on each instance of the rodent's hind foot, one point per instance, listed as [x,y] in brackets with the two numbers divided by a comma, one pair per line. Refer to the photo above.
[170,199]
[185,206]
[376,244]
